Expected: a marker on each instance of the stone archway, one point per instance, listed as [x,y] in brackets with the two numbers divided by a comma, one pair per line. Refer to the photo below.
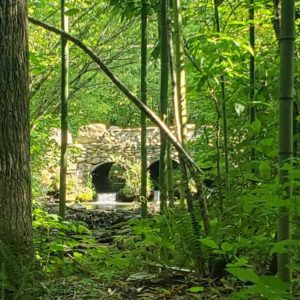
[153,169]
[97,145]
[105,178]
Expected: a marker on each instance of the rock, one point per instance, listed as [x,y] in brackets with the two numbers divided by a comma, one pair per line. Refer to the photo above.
[118,225]
[91,133]
[95,161]
[114,128]
[80,159]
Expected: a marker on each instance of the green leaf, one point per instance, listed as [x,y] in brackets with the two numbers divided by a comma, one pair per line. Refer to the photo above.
[72,11]
[268,147]
[218,251]
[196,289]
[256,126]
[78,255]
[274,283]
[250,49]
[227,247]
[239,108]
[284,246]
[209,243]
[265,170]
[244,274]
[241,262]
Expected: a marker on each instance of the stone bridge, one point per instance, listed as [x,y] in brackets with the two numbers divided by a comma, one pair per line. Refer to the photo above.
[97,148]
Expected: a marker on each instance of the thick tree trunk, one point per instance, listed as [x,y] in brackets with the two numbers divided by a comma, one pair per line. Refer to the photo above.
[15,189]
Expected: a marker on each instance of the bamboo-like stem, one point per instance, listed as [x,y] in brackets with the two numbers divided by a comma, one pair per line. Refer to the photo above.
[224,117]
[252,69]
[287,45]
[64,112]
[143,116]
[180,103]
[164,79]
[171,197]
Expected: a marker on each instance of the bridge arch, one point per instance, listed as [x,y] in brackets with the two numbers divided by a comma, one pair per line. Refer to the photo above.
[98,146]
[153,170]
[107,177]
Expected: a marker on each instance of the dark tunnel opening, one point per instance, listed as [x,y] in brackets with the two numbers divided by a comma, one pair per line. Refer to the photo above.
[107,178]
[153,170]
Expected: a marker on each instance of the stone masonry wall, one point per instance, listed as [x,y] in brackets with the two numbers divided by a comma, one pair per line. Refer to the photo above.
[96,145]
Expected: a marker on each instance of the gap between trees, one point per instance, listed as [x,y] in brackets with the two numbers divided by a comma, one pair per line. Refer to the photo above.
[193,168]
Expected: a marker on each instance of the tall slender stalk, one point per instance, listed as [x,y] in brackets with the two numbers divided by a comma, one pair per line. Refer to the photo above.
[252,68]
[64,111]
[180,108]
[287,44]
[164,79]
[224,116]
[180,105]
[171,196]
[144,100]
[170,181]
[218,152]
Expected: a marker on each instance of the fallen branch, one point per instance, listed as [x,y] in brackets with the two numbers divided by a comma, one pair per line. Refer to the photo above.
[193,168]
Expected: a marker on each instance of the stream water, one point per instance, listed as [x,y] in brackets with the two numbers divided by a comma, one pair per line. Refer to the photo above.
[109,200]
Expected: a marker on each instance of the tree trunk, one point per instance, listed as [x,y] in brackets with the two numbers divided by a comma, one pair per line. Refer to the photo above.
[64,112]
[15,187]
[287,42]
[164,79]
[143,116]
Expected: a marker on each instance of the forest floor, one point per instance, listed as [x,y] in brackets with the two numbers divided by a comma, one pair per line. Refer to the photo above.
[174,286]
[155,282]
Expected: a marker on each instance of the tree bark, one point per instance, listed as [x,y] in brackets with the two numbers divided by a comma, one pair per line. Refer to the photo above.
[15,181]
